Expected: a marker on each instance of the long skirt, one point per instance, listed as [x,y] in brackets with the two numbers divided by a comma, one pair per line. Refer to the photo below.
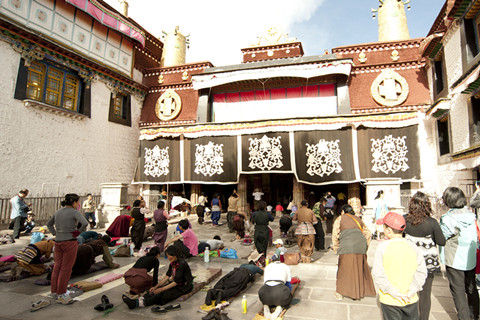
[354,279]
[159,238]
[138,279]
[261,236]
[306,243]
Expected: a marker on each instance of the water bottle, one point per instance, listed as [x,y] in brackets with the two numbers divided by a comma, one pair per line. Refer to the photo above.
[282,258]
[132,246]
[244,304]
[206,255]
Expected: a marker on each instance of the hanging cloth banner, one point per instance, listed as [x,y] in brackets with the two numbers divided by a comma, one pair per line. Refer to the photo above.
[266,152]
[160,161]
[110,19]
[211,160]
[389,153]
[323,157]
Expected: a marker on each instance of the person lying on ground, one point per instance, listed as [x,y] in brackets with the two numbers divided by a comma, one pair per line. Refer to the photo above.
[87,253]
[213,244]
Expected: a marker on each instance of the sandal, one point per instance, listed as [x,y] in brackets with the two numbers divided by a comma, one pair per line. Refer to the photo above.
[40,304]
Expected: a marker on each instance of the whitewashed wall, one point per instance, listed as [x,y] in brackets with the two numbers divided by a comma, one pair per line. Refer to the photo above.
[38,147]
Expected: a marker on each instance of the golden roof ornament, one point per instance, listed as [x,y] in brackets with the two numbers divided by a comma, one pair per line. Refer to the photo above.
[395,56]
[362,57]
[274,35]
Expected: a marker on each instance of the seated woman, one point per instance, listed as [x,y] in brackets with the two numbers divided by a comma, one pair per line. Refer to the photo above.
[275,293]
[189,246]
[177,281]
[137,277]
[29,259]
[87,253]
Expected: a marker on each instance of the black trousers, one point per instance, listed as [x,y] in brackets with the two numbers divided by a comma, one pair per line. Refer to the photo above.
[408,312]
[200,213]
[464,292]
[167,296]
[278,295]
[319,236]
[425,298]
[230,216]
[17,226]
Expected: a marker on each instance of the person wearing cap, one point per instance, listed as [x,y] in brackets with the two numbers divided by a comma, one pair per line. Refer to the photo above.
[350,240]
[279,251]
[38,236]
[458,225]
[399,271]
[424,231]
[305,231]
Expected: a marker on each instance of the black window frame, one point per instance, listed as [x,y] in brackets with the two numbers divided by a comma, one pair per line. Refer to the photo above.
[443,136]
[126,118]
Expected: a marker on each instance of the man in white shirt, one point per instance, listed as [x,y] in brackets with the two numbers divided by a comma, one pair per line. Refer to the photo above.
[257,197]
[276,289]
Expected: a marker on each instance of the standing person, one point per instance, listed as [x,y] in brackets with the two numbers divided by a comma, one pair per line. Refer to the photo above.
[19,212]
[350,240]
[161,228]
[88,207]
[380,209]
[424,231]
[329,211]
[399,271]
[319,211]
[177,281]
[202,200]
[257,197]
[138,227]
[459,254]
[262,232]
[278,210]
[232,209]
[63,225]
[216,209]
[305,231]
[137,277]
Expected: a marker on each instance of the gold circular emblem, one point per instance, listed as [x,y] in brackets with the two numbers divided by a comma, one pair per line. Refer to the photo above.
[168,105]
[389,88]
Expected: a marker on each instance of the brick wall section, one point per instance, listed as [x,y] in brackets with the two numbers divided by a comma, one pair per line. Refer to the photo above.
[40,147]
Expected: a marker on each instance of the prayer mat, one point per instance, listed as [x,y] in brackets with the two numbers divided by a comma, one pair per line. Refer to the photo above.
[201,278]
[87,285]
[74,292]
[99,266]
[9,277]
[109,278]
[42,282]
[5,266]
[10,258]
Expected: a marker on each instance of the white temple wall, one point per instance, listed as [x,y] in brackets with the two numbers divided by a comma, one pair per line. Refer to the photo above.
[453,56]
[39,148]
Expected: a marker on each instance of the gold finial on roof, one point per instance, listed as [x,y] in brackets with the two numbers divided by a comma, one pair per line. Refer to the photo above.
[272,36]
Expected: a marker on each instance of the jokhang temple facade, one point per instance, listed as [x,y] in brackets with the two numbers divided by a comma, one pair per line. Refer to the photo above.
[289,125]
[87,81]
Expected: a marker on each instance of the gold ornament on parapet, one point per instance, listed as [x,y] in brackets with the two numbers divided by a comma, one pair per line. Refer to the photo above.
[185,75]
[362,57]
[168,106]
[160,79]
[273,35]
[395,56]
[389,88]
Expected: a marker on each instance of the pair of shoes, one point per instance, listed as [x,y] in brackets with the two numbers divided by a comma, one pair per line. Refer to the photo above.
[105,305]
[42,303]
[338,296]
[129,302]
[64,299]
[172,307]
[216,314]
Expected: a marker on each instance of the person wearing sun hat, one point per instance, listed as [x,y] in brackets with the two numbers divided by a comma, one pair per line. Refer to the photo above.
[399,271]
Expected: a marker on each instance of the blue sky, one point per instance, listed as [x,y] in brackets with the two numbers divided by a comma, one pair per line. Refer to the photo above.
[345,22]
[218,29]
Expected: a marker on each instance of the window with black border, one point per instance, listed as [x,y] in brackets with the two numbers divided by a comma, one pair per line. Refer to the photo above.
[120,109]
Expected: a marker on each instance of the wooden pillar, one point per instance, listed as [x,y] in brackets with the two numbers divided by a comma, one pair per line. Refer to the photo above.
[195,193]
[354,196]
[297,192]
[242,192]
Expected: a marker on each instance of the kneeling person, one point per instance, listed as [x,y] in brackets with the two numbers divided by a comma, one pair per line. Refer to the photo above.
[276,291]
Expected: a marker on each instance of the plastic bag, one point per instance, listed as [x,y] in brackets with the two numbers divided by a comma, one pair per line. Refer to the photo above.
[229,253]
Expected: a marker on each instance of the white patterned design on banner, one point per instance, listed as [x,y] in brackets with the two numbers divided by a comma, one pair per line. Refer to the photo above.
[209,159]
[323,158]
[389,154]
[265,153]
[157,161]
